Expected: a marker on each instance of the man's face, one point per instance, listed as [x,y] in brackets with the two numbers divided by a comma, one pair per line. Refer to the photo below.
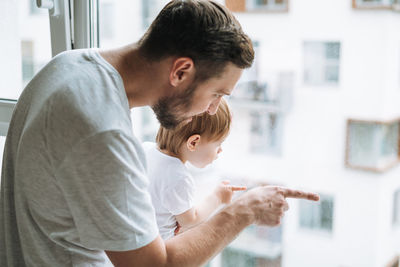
[196,98]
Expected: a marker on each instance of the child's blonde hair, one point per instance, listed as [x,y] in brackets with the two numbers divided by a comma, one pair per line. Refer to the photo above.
[211,127]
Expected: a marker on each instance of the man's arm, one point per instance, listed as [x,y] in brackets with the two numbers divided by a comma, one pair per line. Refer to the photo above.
[262,205]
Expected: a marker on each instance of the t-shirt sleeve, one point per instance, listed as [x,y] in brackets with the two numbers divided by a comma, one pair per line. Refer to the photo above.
[105,185]
[178,197]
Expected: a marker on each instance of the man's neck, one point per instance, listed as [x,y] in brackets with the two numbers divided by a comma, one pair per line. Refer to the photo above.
[144,81]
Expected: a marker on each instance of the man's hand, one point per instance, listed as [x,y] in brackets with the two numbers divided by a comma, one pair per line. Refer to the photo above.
[266,205]
[224,191]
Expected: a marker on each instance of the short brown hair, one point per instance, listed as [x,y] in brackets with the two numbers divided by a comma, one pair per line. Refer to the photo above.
[210,127]
[202,30]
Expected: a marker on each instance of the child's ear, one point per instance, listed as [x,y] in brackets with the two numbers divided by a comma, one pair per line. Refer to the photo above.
[192,142]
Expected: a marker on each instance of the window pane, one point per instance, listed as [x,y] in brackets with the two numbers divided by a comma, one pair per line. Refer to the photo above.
[268,5]
[373,145]
[25,45]
[317,216]
[321,63]
[286,133]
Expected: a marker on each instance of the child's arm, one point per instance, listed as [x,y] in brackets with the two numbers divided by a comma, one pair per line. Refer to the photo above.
[221,195]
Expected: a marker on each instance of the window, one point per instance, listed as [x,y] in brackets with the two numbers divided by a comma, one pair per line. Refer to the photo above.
[25,46]
[396,208]
[266,130]
[258,5]
[372,145]
[266,5]
[256,246]
[321,63]
[262,105]
[374,4]
[317,216]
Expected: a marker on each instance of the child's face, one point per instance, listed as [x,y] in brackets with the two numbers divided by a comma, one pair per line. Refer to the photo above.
[205,153]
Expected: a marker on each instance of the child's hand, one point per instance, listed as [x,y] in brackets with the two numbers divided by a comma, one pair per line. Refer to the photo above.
[224,191]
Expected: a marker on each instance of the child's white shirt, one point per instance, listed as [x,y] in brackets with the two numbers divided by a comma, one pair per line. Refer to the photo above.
[171,188]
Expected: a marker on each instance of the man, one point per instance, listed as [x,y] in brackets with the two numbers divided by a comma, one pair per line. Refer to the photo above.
[74,185]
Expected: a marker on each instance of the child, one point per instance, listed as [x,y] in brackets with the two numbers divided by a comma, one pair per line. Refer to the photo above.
[171,185]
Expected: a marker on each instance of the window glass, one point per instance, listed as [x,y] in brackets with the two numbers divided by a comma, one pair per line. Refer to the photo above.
[321,63]
[373,145]
[285,133]
[317,216]
[273,5]
[25,45]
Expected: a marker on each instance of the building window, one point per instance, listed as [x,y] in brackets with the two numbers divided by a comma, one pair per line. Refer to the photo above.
[396,208]
[268,5]
[266,132]
[256,246]
[374,4]
[317,215]
[321,63]
[372,145]
[258,5]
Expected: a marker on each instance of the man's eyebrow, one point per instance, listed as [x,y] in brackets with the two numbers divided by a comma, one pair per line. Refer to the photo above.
[223,91]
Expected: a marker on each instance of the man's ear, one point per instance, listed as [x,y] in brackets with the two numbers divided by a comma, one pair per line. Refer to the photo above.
[182,68]
[192,142]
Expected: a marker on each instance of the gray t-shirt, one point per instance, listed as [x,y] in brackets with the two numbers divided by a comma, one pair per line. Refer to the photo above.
[74,177]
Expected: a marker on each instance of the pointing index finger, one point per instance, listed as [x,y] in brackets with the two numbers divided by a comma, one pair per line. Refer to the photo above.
[237,188]
[291,193]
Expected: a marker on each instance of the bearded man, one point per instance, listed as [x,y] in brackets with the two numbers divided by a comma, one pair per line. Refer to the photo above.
[74,184]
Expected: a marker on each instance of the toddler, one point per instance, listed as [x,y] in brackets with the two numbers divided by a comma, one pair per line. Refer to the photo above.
[171,185]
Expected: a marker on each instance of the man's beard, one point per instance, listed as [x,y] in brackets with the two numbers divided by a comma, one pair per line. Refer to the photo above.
[170,110]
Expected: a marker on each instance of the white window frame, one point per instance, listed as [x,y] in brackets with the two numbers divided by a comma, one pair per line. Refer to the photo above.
[73,24]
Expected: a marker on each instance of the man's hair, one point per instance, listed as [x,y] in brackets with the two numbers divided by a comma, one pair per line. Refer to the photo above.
[209,127]
[202,30]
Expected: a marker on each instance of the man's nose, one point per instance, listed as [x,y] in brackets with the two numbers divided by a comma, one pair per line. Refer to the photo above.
[213,107]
